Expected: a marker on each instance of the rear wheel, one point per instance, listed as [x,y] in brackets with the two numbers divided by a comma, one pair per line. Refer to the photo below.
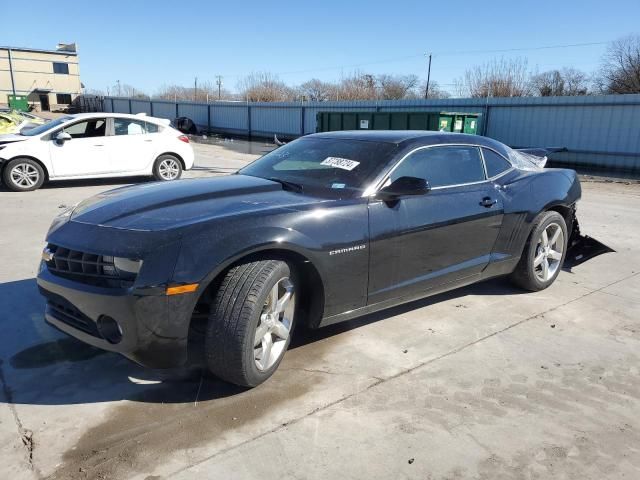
[251,321]
[23,175]
[543,254]
[167,168]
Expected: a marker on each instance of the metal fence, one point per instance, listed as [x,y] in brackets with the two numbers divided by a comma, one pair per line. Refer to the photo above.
[597,131]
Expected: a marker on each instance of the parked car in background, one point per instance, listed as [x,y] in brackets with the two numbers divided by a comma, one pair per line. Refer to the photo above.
[93,145]
[326,228]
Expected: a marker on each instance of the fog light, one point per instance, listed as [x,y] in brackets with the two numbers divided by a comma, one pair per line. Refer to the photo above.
[109,329]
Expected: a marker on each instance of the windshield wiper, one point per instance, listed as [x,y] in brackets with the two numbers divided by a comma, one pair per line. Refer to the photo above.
[287,184]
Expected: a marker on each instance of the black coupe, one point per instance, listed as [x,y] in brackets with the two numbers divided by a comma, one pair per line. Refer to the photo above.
[323,229]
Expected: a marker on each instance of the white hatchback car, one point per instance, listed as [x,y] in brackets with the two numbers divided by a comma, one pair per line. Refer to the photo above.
[94,145]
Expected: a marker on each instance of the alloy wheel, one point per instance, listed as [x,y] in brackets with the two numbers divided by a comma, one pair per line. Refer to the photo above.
[169,169]
[275,324]
[549,252]
[25,175]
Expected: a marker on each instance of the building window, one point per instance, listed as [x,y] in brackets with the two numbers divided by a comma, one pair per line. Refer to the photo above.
[62,68]
[63,98]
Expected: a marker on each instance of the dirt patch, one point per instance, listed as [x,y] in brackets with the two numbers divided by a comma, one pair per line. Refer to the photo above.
[138,435]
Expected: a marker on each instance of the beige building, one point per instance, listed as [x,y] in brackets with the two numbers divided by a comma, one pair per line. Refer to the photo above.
[49,78]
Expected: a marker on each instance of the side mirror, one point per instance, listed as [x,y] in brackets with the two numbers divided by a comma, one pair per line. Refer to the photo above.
[404,186]
[62,137]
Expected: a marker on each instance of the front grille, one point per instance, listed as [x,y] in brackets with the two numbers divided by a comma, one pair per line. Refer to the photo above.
[62,310]
[89,268]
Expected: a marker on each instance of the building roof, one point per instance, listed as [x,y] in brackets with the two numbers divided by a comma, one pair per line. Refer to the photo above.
[37,50]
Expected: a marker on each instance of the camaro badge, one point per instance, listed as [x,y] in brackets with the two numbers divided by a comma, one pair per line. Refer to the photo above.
[348,249]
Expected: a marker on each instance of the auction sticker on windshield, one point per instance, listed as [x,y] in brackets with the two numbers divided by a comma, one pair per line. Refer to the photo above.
[343,163]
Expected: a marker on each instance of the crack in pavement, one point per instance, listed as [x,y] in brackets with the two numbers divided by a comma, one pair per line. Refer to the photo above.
[398,375]
[26,435]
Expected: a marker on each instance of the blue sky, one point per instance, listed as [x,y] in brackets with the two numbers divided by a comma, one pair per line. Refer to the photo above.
[147,44]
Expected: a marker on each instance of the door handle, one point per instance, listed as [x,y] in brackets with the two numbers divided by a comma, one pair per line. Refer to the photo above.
[98,145]
[488,202]
[148,140]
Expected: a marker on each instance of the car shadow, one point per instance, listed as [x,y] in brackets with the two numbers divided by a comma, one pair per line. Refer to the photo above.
[41,366]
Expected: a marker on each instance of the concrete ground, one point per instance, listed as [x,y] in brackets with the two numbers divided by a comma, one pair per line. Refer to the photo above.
[486,382]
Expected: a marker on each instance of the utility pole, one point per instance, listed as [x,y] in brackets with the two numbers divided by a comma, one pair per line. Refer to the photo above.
[219,83]
[195,89]
[13,83]
[426,92]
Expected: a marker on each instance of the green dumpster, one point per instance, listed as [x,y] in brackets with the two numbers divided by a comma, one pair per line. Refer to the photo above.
[403,120]
[18,102]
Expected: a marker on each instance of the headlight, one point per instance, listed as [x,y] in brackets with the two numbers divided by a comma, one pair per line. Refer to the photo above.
[127,265]
[61,219]
[123,267]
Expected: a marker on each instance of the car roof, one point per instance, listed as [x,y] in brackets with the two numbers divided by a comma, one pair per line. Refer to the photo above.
[414,138]
[136,116]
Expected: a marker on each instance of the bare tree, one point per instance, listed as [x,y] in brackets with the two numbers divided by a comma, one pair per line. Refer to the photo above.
[565,82]
[435,91]
[620,69]
[126,90]
[498,78]
[265,87]
[316,90]
[206,91]
[357,86]
[396,87]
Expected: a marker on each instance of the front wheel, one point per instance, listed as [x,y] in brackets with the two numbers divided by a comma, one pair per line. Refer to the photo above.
[167,168]
[23,175]
[251,321]
[543,253]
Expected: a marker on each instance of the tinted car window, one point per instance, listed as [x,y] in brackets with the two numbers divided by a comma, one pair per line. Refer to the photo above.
[442,166]
[151,127]
[90,128]
[127,126]
[326,163]
[495,163]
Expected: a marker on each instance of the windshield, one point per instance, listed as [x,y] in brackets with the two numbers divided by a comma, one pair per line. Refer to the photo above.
[324,163]
[46,127]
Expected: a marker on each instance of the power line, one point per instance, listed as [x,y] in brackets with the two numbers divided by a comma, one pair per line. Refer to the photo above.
[438,54]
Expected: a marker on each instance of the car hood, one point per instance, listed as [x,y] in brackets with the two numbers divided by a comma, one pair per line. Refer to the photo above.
[163,206]
[11,137]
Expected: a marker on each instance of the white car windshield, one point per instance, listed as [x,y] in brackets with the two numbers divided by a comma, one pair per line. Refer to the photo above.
[46,127]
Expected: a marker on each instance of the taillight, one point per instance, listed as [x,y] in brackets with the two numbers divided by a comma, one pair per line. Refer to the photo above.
[183,138]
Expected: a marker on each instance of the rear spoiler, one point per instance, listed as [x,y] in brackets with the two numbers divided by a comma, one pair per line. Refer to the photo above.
[541,152]
[538,156]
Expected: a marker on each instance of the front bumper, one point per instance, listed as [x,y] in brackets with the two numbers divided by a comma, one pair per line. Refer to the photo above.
[154,326]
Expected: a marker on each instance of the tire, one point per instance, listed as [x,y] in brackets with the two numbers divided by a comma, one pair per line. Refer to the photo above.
[23,175]
[242,310]
[541,263]
[167,168]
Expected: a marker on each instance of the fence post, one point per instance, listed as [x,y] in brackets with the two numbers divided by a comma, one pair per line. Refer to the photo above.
[485,122]
[130,110]
[151,108]
[302,108]
[208,118]
[113,110]
[248,121]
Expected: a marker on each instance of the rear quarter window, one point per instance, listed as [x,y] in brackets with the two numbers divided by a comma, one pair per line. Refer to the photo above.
[496,164]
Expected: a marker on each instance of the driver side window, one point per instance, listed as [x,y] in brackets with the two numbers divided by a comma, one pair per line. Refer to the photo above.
[96,127]
[443,166]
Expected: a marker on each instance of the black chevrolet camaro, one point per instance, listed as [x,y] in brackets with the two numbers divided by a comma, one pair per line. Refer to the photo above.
[326,228]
